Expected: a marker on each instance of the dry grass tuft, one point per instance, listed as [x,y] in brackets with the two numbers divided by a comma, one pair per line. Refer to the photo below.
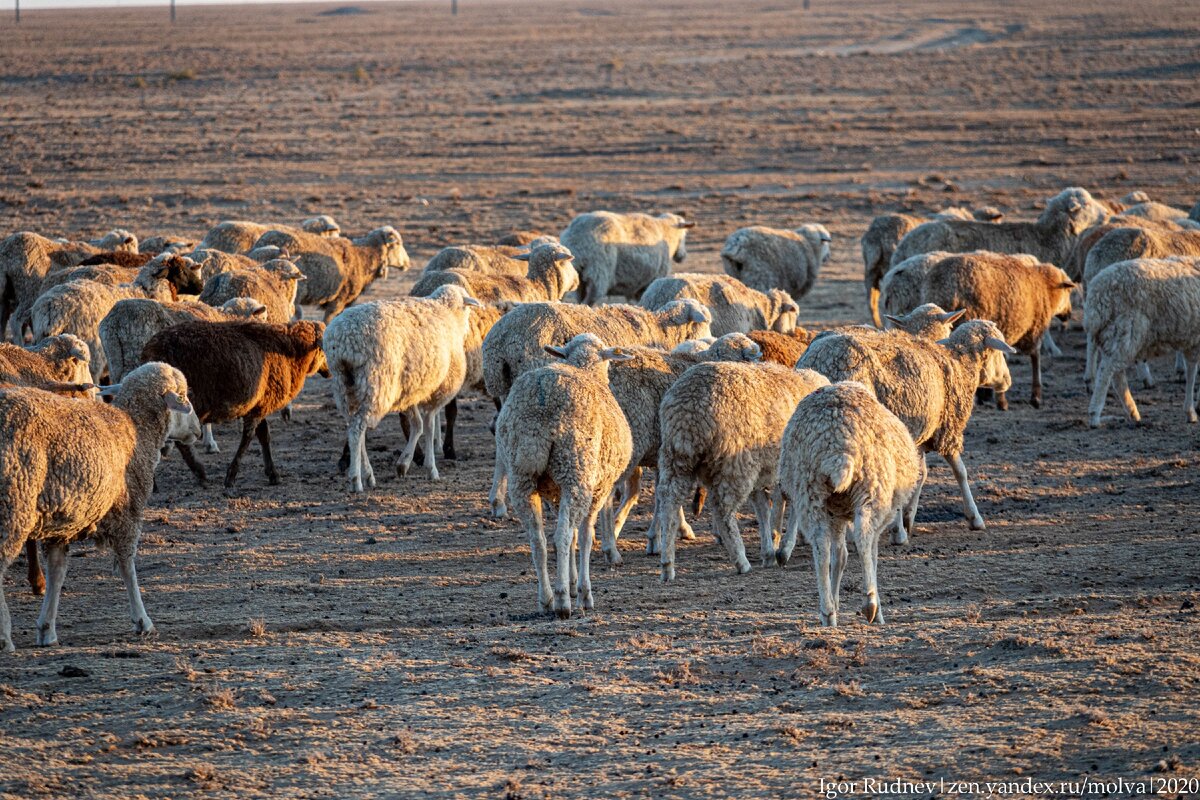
[404,743]
[679,675]
[792,734]
[848,689]
[220,698]
[647,643]
[257,628]
[510,653]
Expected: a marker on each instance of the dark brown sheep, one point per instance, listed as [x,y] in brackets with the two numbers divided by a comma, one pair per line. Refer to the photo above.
[240,370]
[120,258]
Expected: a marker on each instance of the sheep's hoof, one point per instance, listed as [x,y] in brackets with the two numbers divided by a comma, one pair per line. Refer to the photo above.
[687,534]
[143,627]
[870,611]
[613,557]
[402,469]
[781,558]
[668,573]
[356,486]
[828,620]
[449,454]
[977,524]
[433,474]
[562,606]
[7,646]
[1036,401]
[273,480]
[899,536]
[499,510]
[212,447]
[742,566]
[1002,403]
[586,601]
[46,637]
[1191,415]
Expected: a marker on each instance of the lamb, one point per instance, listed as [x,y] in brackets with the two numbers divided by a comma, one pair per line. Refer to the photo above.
[623,253]
[515,344]
[1022,298]
[782,348]
[26,258]
[886,231]
[240,370]
[274,284]
[562,437]
[1066,215]
[1126,244]
[75,468]
[406,355]
[721,426]
[337,269]
[735,307]
[930,386]
[845,460]
[550,276]
[769,258]
[1138,309]
[238,236]
[79,306]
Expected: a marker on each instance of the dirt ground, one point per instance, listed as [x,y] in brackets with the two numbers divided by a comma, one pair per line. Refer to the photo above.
[317,644]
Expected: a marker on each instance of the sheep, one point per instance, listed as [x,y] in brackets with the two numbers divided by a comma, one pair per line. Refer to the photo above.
[1138,309]
[886,231]
[521,238]
[337,269]
[1077,257]
[721,425]
[1022,298]
[735,307]
[782,348]
[156,245]
[1126,244]
[78,306]
[623,253]
[770,258]
[75,468]
[1158,212]
[182,273]
[238,236]
[845,461]
[274,284]
[550,276]
[406,355]
[26,258]
[214,262]
[486,259]
[240,370]
[929,385]
[1066,215]
[562,437]
[515,344]
[638,384]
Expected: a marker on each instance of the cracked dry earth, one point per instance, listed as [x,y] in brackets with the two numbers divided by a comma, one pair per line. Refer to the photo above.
[317,644]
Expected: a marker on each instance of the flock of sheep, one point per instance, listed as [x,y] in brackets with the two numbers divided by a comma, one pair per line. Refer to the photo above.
[707,379]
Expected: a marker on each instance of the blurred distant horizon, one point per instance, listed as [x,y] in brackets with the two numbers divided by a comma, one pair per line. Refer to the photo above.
[6,6]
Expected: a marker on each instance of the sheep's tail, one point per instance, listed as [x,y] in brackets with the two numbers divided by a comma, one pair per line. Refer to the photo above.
[839,468]
[347,382]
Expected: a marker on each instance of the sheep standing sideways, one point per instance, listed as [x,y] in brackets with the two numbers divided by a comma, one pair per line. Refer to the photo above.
[1125,244]
[550,276]
[1135,310]
[238,236]
[884,234]
[735,307]
[721,424]
[1022,298]
[623,253]
[769,258]
[404,355]
[929,385]
[845,461]
[74,467]
[1050,238]
[240,370]
[1076,261]
[561,437]
[339,269]
[486,259]
[275,285]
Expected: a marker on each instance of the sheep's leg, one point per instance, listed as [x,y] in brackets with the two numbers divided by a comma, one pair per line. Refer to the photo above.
[142,625]
[368,473]
[499,484]
[264,441]
[839,553]
[970,510]
[632,487]
[6,642]
[593,291]
[189,458]
[448,452]
[1190,394]
[1181,366]
[586,533]
[56,573]
[820,547]
[430,431]
[249,425]
[1035,363]
[1089,362]
[908,515]
[788,543]
[356,433]
[769,536]
[528,509]
[569,518]
[343,465]
[37,581]
[416,428]
[1001,400]
[873,304]
[1104,377]
[685,530]
[210,442]
[608,540]
[673,491]
[867,537]
[1122,387]
[1143,369]
[1051,348]
[285,413]
[725,522]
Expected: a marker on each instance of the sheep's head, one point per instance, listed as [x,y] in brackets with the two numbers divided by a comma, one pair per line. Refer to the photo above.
[119,240]
[954,212]
[453,296]
[546,259]
[929,321]
[268,252]
[284,269]
[694,347]
[1060,291]
[988,214]
[784,311]
[1075,210]
[307,337]
[1134,198]
[691,315]
[388,240]
[323,225]
[818,239]
[982,338]
[587,350]
[734,347]
[679,227]
[71,352]
[245,308]
[154,386]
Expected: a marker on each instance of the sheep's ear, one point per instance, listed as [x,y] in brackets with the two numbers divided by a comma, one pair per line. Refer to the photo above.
[696,314]
[110,390]
[686,224]
[261,311]
[471,301]
[522,256]
[557,352]
[562,256]
[999,344]
[789,306]
[175,402]
[891,319]
[162,271]
[952,316]
[615,354]
[825,237]
[944,342]
[1067,285]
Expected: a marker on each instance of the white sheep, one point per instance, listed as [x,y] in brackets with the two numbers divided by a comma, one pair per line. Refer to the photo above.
[735,307]
[404,355]
[771,258]
[550,275]
[845,462]
[74,468]
[623,253]
[238,236]
[561,437]
[486,259]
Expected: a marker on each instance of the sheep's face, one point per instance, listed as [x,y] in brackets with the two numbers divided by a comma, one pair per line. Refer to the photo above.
[928,321]
[568,276]
[680,249]
[1077,208]
[784,310]
[679,227]
[183,425]
[119,240]
[587,350]
[993,372]
[735,347]
[689,314]
[817,236]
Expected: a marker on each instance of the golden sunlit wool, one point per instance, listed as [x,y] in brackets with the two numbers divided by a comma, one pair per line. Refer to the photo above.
[623,253]
[275,284]
[549,275]
[239,236]
[769,258]
[735,306]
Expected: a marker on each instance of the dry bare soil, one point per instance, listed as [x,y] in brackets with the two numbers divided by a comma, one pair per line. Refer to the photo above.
[318,644]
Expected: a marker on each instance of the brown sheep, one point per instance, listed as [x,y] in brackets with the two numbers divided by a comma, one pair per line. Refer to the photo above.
[782,348]
[119,258]
[240,370]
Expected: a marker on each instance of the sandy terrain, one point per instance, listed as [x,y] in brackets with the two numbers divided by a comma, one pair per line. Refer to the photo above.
[317,644]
